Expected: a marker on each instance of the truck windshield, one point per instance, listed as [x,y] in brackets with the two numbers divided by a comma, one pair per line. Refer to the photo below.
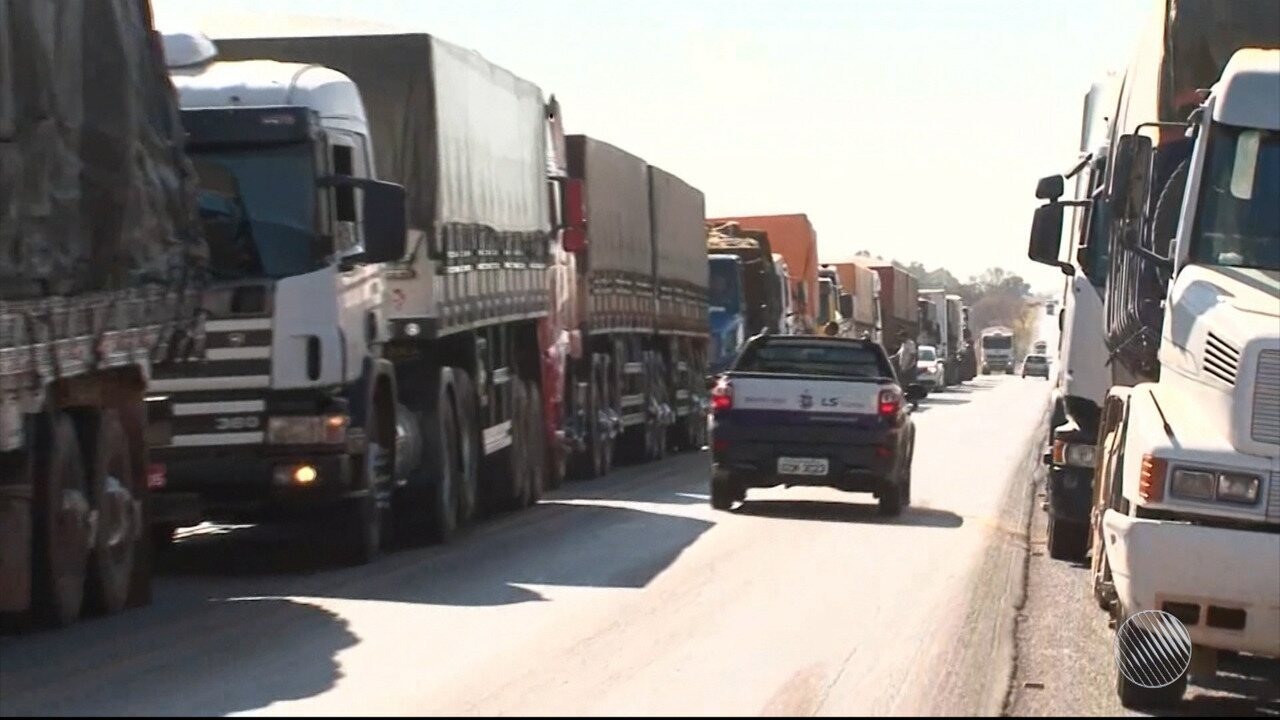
[997,342]
[815,358]
[257,205]
[724,285]
[928,354]
[1239,223]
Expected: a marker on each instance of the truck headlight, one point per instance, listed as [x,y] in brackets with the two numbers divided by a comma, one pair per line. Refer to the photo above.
[1237,488]
[1193,484]
[1073,454]
[1080,455]
[307,430]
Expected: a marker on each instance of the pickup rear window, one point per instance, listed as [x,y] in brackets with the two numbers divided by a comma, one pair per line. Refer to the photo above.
[838,359]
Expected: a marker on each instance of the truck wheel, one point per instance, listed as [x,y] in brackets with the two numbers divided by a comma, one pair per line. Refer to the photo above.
[515,475]
[891,500]
[117,544]
[441,434]
[723,491]
[659,399]
[468,445]
[1067,540]
[602,444]
[535,447]
[359,529]
[62,532]
[361,520]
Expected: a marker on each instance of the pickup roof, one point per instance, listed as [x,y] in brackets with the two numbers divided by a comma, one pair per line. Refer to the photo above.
[812,411]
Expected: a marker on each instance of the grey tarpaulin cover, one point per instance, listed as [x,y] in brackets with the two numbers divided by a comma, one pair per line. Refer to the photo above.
[465,137]
[95,193]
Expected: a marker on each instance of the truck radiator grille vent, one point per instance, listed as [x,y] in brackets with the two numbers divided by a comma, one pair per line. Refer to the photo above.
[1273,498]
[1221,359]
[1266,398]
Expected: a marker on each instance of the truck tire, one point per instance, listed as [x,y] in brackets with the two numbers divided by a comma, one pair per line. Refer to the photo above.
[361,522]
[600,438]
[440,433]
[132,414]
[61,520]
[659,399]
[117,545]
[468,445]
[535,441]
[1067,540]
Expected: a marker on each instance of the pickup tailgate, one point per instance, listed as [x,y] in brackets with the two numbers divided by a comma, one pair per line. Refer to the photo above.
[795,409]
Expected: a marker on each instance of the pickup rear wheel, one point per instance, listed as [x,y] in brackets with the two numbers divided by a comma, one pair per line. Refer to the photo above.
[891,499]
[724,492]
[62,529]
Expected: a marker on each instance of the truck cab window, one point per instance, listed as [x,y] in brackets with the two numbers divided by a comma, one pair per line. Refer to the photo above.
[343,164]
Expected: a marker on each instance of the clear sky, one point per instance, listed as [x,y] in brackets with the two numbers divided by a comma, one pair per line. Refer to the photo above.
[915,129]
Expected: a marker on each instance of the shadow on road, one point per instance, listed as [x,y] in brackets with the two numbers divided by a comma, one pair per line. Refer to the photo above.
[1244,686]
[231,659]
[828,511]
[561,542]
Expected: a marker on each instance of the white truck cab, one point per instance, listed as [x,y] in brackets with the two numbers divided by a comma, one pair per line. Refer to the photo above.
[297,228]
[1190,511]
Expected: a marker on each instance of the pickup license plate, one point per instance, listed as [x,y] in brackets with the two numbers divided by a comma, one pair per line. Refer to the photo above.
[811,467]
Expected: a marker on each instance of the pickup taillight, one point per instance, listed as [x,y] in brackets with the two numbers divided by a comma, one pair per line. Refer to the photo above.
[890,403]
[722,396]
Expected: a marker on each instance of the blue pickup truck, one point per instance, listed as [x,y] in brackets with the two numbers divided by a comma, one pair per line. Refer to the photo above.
[812,411]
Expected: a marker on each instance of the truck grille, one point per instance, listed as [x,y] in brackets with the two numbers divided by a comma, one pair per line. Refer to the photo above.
[219,401]
[1266,398]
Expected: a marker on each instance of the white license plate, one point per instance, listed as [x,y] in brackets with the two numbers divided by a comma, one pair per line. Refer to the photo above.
[803,466]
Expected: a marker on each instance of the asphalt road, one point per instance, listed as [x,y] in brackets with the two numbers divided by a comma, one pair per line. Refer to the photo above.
[627,595]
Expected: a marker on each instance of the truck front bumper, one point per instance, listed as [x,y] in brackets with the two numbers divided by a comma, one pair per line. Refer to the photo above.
[1224,584]
[1070,493]
[253,482]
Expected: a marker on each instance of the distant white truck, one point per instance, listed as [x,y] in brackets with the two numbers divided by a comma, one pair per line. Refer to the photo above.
[996,344]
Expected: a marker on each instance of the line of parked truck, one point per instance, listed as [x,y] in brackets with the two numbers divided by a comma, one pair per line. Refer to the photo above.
[1164,444]
[363,280]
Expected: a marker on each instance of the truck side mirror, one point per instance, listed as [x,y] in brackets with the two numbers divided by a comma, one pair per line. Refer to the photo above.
[1130,171]
[846,305]
[1050,188]
[382,206]
[575,215]
[385,226]
[1046,237]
